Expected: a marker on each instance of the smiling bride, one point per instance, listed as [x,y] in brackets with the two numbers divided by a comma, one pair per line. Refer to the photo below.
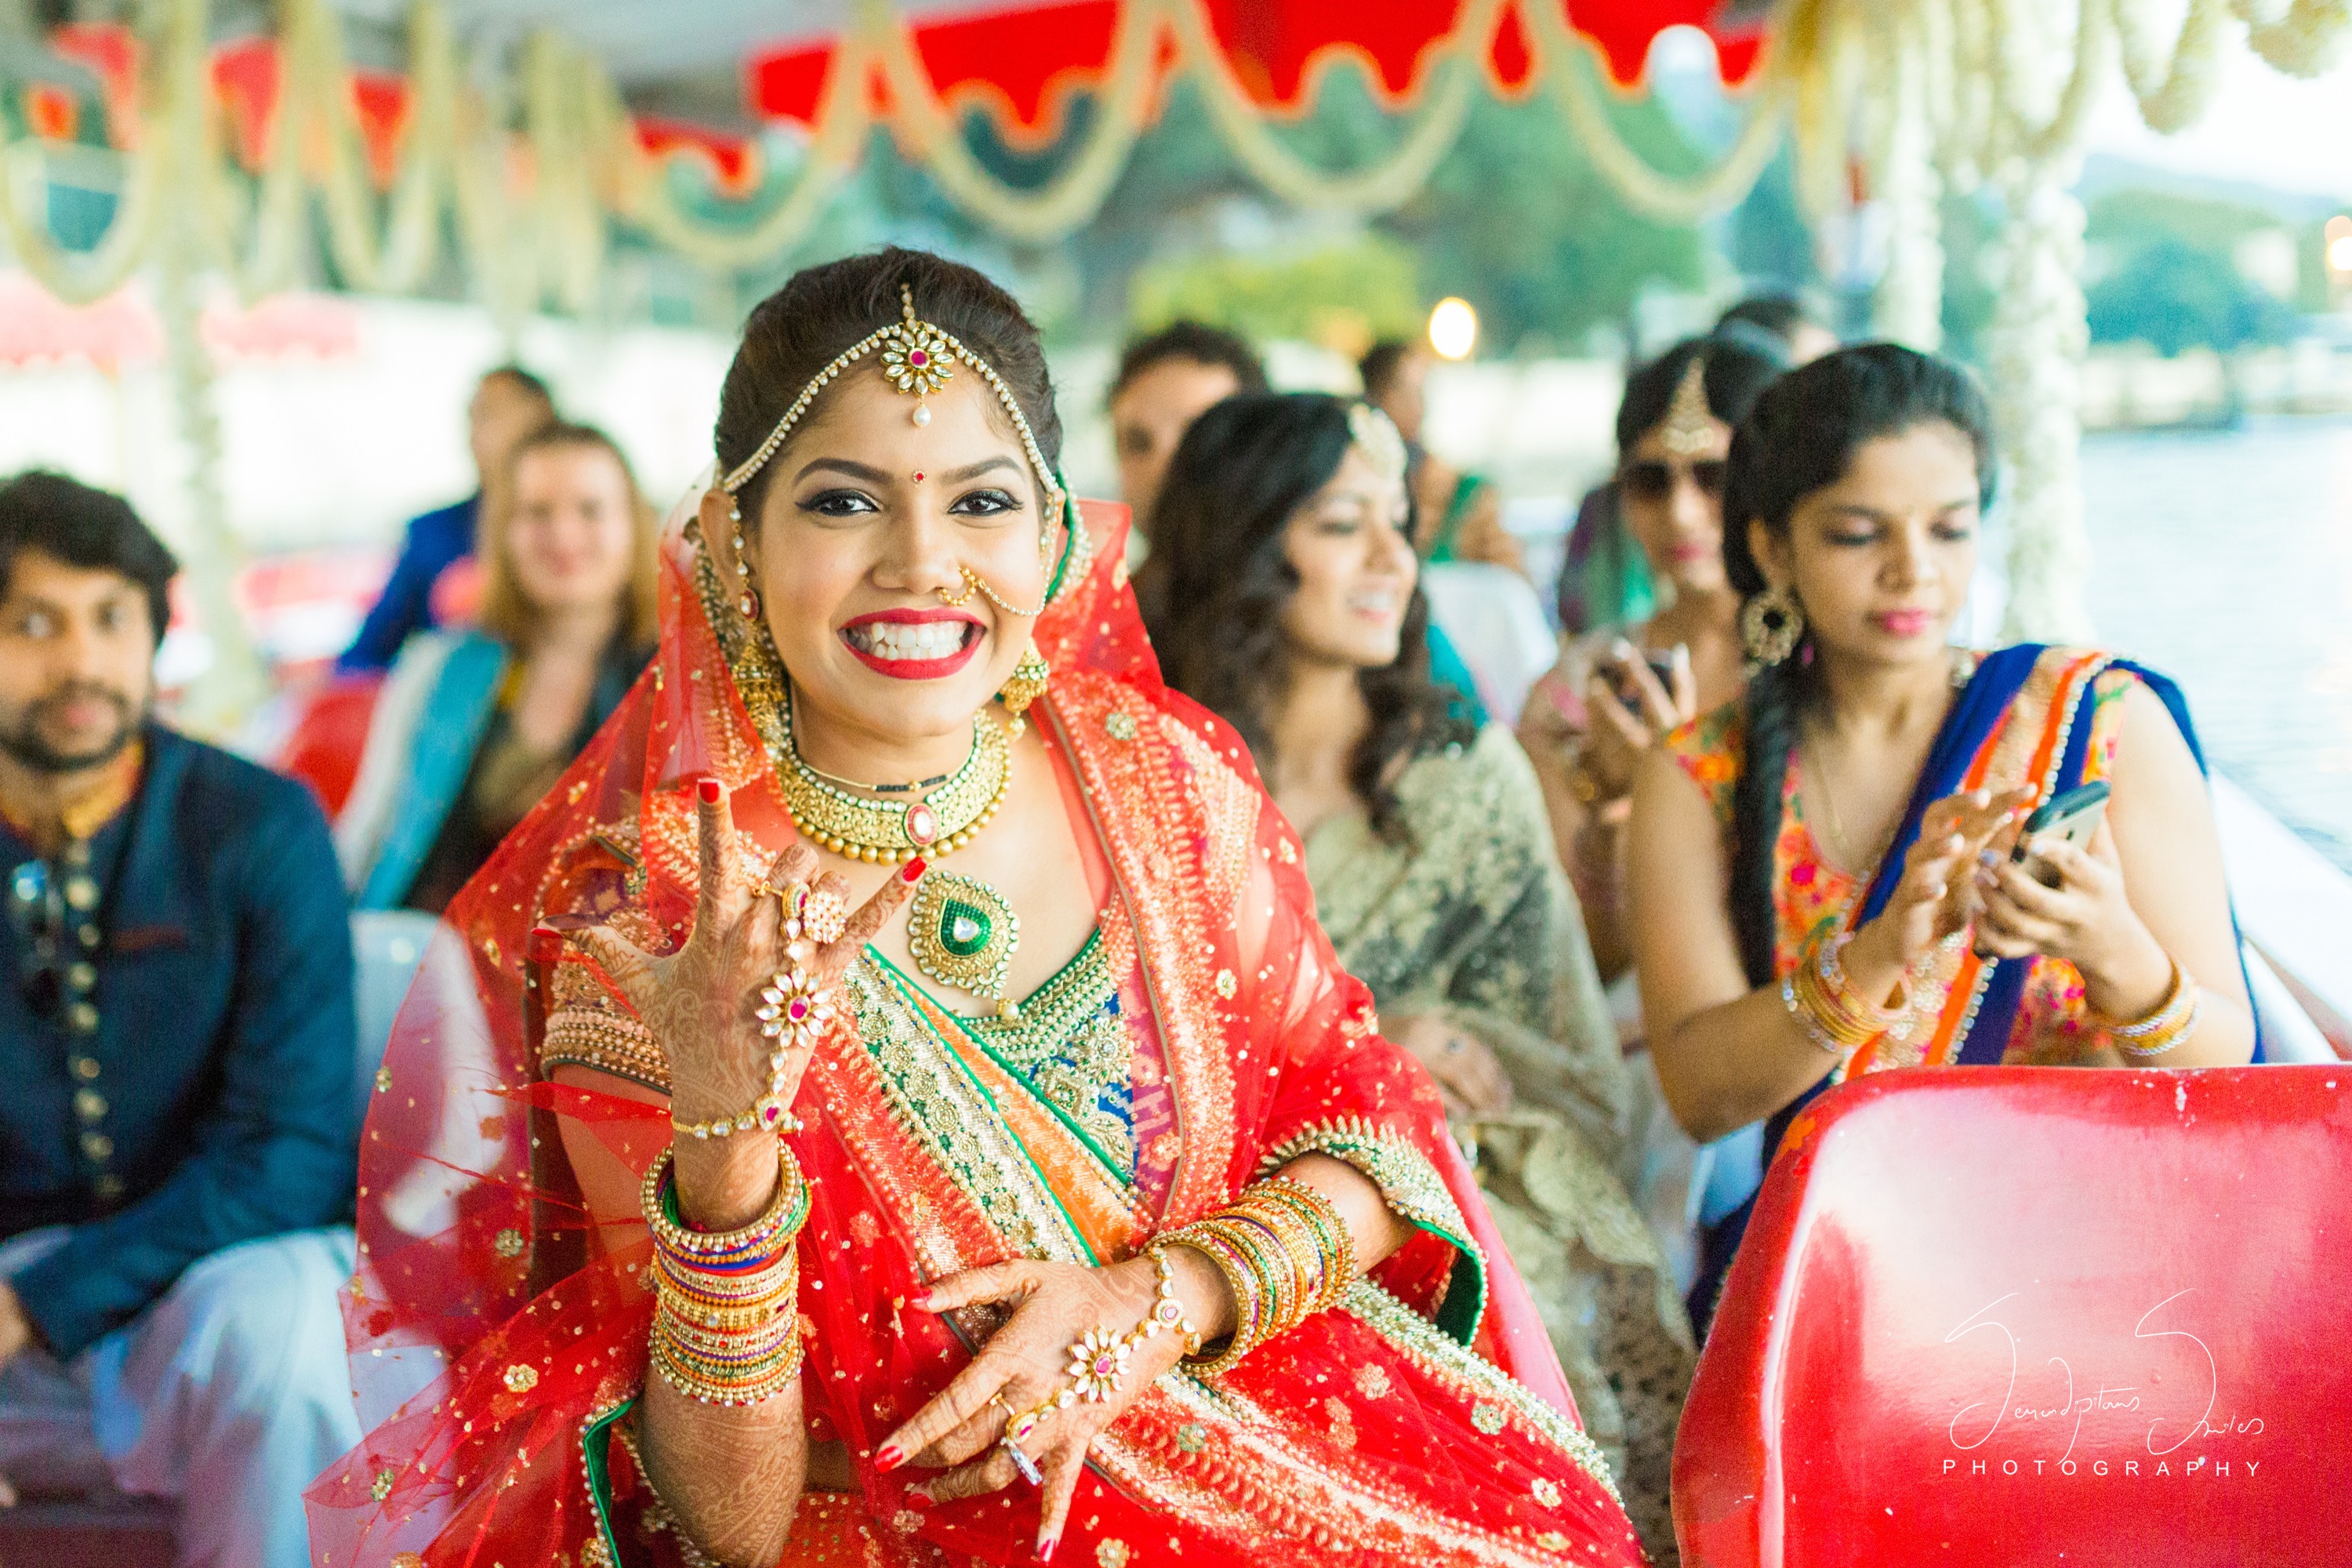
[894,1102]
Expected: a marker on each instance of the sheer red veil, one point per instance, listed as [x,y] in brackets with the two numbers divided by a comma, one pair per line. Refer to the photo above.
[487,1331]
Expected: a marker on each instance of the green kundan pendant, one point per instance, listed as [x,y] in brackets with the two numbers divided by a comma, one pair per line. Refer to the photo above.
[964,934]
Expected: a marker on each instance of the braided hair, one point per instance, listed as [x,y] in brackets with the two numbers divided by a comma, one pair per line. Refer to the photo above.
[1801,437]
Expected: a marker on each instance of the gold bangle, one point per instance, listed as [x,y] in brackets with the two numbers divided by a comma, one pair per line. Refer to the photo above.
[1836,1016]
[1849,995]
[1287,1253]
[2171,1021]
[1336,1244]
[777,1224]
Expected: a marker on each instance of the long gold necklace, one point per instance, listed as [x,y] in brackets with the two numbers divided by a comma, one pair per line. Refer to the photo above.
[938,821]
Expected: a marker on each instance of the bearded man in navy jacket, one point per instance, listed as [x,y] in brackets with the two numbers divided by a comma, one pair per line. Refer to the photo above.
[176,1138]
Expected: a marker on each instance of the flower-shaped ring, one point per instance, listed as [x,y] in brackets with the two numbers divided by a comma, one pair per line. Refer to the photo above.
[1098,1364]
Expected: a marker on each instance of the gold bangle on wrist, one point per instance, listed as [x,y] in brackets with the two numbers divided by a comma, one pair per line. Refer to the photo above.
[1286,1251]
[1833,1012]
[785,1212]
[726,1326]
[2171,1021]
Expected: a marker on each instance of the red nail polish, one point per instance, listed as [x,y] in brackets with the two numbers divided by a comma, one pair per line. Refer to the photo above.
[889,1456]
[545,945]
[915,869]
[1045,1548]
[709,790]
[918,1499]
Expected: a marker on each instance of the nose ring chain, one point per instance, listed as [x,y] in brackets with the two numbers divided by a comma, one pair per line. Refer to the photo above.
[972,580]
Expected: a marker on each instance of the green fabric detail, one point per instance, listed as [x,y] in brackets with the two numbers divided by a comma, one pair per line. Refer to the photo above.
[1070,526]
[596,1459]
[1071,1050]
[936,1098]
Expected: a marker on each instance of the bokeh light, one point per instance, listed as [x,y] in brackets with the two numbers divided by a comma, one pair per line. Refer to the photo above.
[1452,329]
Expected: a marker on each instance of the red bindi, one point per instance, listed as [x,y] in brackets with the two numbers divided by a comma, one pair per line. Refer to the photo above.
[918,476]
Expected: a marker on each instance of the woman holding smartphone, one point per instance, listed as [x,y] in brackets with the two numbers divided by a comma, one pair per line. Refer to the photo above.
[1862,803]
[1618,689]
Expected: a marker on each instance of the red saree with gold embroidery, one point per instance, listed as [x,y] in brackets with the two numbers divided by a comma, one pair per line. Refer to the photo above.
[1424,1421]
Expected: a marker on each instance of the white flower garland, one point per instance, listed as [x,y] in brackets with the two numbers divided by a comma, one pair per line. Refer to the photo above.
[2038,337]
[1909,308]
[1930,93]
[2304,40]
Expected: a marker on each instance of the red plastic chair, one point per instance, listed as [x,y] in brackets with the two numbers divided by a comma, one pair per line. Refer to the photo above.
[2037,1315]
[323,749]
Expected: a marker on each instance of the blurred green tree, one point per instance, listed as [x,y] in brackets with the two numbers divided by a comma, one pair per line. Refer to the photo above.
[2164,272]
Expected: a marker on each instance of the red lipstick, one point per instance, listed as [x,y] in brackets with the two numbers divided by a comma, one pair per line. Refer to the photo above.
[1903,623]
[916,668]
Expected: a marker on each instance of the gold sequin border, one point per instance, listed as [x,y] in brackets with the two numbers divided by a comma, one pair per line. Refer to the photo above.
[1474,1377]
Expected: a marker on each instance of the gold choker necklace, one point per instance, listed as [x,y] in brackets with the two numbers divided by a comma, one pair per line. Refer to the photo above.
[938,822]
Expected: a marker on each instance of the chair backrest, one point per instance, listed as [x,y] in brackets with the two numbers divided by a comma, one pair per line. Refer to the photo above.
[2048,1315]
[323,749]
[388,944]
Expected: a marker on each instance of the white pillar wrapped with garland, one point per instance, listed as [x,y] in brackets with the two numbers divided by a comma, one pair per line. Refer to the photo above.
[2039,339]
[1909,306]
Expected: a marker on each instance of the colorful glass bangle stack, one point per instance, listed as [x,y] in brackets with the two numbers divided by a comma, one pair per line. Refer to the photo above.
[1833,1012]
[1285,1252]
[2173,1021]
[727,1312]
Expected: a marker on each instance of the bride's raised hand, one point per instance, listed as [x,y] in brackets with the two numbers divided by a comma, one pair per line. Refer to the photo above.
[701,1002]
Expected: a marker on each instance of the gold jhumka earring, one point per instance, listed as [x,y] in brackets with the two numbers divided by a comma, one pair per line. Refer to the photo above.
[1771,624]
[1027,685]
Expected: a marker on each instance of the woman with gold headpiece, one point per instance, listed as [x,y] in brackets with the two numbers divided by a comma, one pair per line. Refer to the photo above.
[1618,688]
[893,1101]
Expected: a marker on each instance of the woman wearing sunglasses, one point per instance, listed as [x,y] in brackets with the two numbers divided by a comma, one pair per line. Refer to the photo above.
[1618,689]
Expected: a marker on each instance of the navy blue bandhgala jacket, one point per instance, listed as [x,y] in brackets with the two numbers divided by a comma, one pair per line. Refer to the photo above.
[202,1096]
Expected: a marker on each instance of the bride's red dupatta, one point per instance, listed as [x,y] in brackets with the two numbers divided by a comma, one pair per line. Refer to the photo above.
[1424,1421]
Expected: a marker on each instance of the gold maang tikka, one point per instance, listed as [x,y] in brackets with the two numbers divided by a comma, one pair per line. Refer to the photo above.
[1377,436]
[1689,425]
[918,358]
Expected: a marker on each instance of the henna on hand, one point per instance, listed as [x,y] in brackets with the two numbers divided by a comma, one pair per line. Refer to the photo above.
[699,1001]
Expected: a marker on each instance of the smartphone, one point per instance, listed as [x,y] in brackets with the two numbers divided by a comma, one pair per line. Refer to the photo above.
[1620,681]
[2072,817]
